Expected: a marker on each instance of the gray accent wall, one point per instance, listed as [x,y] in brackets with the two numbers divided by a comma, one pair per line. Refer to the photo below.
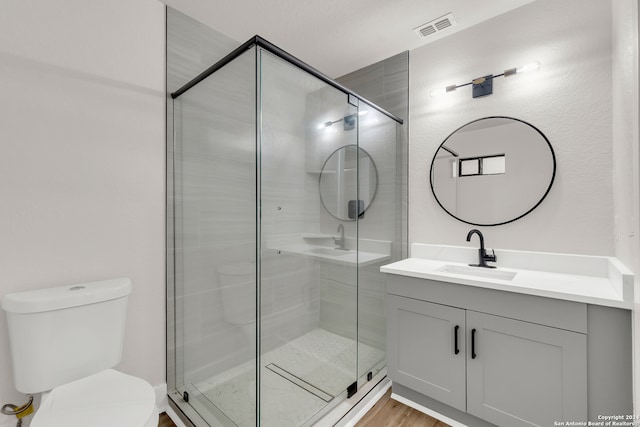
[386,83]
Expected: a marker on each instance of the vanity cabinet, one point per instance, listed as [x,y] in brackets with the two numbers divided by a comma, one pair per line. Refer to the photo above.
[505,371]
[510,347]
[421,350]
[523,374]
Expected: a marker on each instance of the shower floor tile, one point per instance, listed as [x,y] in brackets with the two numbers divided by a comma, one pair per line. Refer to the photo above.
[321,364]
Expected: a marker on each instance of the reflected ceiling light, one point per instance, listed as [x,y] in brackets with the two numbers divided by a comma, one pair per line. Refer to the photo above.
[363,112]
[327,124]
[349,121]
[483,86]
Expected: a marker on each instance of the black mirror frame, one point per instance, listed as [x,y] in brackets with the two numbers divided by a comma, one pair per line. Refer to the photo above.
[553,175]
[374,192]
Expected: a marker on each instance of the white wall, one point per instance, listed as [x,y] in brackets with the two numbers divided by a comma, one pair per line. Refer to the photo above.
[82,163]
[568,99]
[626,153]
[584,98]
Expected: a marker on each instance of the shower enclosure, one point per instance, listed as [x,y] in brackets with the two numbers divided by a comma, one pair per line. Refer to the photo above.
[285,196]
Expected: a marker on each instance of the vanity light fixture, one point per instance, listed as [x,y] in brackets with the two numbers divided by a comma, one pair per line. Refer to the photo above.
[483,86]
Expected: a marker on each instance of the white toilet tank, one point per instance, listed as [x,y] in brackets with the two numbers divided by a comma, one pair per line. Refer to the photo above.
[62,334]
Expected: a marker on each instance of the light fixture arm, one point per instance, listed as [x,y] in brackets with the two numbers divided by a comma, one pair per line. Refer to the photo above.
[483,86]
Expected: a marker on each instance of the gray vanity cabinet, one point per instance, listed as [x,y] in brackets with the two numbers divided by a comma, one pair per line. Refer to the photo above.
[422,349]
[525,374]
[507,372]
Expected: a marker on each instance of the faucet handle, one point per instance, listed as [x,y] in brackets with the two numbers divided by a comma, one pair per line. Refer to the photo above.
[491,257]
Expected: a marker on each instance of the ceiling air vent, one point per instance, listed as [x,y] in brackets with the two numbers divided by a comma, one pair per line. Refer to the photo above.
[435,26]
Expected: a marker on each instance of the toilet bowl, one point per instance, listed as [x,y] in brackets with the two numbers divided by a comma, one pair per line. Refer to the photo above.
[108,398]
[64,342]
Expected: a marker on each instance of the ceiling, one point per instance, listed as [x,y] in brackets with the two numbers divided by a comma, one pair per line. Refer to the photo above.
[340,36]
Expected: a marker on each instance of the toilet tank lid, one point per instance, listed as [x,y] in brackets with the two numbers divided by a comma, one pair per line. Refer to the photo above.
[66,296]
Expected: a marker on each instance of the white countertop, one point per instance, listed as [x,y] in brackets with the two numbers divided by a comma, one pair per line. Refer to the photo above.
[586,279]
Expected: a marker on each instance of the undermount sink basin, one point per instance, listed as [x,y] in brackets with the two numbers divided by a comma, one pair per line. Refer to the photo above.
[328,251]
[489,273]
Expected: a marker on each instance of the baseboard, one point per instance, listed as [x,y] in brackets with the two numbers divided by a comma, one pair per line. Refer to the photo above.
[174,417]
[162,402]
[425,410]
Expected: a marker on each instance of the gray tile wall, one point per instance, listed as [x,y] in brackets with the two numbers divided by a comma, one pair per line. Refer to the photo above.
[193,320]
[289,204]
[385,83]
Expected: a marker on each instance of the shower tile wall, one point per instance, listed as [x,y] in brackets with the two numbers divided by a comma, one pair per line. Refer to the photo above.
[387,84]
[215,220]
[289,206]
[191,48]
[377,136]
[336,282]
[216,224]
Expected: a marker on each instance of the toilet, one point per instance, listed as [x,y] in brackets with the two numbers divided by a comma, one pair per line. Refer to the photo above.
[64,342]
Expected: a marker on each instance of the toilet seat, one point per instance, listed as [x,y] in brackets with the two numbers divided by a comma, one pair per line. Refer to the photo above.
[106,399]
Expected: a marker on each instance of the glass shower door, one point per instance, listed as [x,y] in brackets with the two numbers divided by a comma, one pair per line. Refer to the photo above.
[379,231]
[308,245]
[214,232]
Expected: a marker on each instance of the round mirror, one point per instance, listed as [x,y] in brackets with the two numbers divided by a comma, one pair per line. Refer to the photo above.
[339,183]
[492,171]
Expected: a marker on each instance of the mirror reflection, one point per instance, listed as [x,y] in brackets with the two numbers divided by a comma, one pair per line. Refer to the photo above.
[339,182]
[492,171]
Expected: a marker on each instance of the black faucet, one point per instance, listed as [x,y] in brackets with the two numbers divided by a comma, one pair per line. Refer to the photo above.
[483,256]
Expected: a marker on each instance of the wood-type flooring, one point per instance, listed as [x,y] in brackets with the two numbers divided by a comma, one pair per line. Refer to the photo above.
[388,412]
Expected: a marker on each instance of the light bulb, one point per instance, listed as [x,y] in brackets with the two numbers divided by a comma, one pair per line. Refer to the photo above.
[436,93]
[439,92]
[533,66]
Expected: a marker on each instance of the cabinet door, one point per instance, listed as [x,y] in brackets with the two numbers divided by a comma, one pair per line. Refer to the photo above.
[525,374]
[422,349]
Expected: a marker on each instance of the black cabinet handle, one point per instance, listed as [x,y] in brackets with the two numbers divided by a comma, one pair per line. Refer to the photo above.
[473,344]
[455,339]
